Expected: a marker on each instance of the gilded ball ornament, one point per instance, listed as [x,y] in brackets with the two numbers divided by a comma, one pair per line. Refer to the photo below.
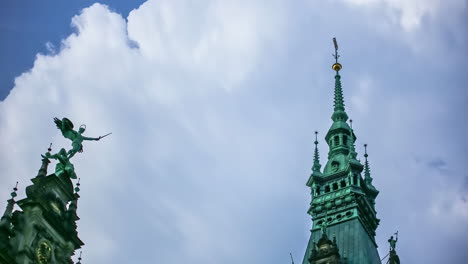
[337,67]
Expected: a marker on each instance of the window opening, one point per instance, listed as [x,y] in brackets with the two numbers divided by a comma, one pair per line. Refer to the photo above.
[335,186]
[343,184]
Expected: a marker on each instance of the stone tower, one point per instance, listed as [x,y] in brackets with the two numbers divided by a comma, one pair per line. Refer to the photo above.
[44,230]
[343,197]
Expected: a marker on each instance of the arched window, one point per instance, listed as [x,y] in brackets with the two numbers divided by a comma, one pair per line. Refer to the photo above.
[345,140]
[317,190]
[337,140]
[327,188]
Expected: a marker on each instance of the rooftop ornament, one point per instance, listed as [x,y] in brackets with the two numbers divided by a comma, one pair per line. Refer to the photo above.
[66,127]
[337,66]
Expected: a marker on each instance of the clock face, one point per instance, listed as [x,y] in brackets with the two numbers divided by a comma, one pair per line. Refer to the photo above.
[44,253]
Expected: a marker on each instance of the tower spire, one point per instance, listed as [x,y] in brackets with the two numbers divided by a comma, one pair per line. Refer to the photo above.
[339,113]
[317,166]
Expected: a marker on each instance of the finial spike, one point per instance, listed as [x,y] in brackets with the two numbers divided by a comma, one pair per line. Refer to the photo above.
[337,67]
[13,194]
[367,175]
[292,260]
[317,166]
[339,113]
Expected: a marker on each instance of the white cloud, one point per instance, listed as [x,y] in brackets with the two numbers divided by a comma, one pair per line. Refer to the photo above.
[362,99]
[411,13]
[147,81]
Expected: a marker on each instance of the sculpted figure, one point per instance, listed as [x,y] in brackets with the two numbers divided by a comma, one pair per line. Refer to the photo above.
[392,243]
[64,165]
[66,126]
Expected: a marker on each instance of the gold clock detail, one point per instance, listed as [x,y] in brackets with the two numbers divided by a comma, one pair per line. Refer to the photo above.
[44,253]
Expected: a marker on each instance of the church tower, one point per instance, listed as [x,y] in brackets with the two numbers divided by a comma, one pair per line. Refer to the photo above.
[343,197]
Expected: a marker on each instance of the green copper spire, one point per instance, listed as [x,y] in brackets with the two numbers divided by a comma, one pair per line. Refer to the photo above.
[343,200]
[339,113]
[317,166]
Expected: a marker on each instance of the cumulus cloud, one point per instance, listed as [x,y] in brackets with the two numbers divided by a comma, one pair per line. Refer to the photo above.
[149,81]
[410,14]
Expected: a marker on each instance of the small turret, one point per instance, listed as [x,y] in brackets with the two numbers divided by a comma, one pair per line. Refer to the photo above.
[5,222]
[72,215]
[315,168]
[45,163]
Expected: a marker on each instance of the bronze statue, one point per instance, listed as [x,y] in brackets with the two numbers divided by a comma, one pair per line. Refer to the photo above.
[66,126]
[392,241]
[64,165]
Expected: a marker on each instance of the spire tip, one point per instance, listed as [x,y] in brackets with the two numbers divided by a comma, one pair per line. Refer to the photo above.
[337,66]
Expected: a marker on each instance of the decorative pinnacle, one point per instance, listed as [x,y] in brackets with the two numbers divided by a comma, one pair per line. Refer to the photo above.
[13,194]
[353,148]
[367,175]
[5,220]
[77,188]
[50,148]
[79,258]
[317,166]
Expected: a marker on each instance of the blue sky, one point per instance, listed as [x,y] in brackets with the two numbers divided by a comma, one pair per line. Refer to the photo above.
[213,107]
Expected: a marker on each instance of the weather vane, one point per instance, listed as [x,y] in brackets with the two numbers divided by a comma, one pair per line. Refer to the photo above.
[336,67]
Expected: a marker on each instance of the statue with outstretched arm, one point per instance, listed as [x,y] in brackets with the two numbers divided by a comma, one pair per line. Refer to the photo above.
[77,138]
